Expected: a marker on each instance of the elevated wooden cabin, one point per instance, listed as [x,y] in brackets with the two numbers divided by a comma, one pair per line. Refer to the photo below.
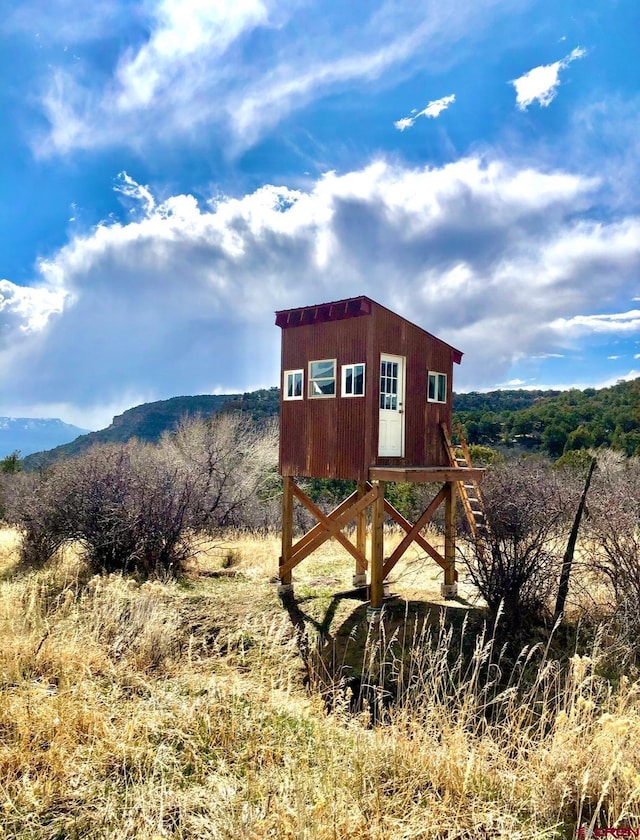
[361,386]
[365,395]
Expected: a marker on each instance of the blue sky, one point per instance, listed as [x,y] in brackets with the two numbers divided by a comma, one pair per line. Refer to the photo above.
[173,171]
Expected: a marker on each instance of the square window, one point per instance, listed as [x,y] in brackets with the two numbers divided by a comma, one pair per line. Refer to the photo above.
[353,380]
[322,378]
[437,388]
[293,385]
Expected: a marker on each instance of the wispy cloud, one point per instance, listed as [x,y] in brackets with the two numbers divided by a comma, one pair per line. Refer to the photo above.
[613,358]
[619,322]
[433,110]
[541,84]
[138,193]
[193,67]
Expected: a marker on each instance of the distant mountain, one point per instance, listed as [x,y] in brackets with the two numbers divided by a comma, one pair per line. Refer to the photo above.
[28,435]
[148,421]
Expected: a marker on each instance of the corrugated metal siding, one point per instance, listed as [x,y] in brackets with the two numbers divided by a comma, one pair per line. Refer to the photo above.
[338,437]
[326,437]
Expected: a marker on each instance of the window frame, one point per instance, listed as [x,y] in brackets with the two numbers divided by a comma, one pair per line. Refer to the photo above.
[285,389]
[345,370]
[311,380]
[437,378]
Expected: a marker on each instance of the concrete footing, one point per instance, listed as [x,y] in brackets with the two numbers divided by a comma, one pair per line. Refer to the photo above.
[374,614]
[359,580]
[449,590]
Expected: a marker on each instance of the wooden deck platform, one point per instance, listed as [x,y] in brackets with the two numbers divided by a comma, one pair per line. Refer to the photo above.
[424,475]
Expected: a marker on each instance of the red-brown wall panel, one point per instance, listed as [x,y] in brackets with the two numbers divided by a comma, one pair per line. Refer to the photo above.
[337,437]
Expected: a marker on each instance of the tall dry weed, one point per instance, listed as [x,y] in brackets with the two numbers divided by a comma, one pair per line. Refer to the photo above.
[118,721]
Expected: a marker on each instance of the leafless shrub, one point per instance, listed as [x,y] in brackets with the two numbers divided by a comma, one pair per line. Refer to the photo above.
[515,563]
[231,462]
[613,531]
[136,507]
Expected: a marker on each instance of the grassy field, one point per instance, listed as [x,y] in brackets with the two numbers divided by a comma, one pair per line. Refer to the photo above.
[207,708]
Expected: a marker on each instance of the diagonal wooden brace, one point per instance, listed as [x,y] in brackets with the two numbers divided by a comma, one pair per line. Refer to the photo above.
[413,533]
[319,528]
[404,523]
[326,521]
[331,528]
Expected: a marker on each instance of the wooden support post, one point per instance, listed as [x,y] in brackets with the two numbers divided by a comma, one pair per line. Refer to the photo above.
[377,549]
[450,585]
[287,530]
[360,576]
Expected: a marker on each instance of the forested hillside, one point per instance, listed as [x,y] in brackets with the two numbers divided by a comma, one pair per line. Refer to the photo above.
[555,422]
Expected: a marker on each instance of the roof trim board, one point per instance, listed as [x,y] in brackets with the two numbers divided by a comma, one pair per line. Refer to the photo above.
[339,310]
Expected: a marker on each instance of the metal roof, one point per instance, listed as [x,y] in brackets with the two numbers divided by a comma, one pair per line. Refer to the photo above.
[339,310]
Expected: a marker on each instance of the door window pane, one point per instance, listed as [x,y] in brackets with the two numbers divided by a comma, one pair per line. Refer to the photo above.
[389,385]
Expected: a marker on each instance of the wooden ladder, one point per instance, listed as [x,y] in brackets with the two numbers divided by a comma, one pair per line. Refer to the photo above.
[469,489]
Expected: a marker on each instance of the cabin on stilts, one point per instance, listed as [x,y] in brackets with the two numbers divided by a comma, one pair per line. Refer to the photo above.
[366,395]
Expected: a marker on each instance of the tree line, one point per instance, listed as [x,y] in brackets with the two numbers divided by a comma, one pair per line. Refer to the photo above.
[565,422]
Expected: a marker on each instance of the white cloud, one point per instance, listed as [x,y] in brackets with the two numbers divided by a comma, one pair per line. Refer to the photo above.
[541,84]
[494,259]
[182,31]
[139,193]
[199,68]
[613,380]
[616,323]
[571,386]
[433,110]
[28,308]
[613,358]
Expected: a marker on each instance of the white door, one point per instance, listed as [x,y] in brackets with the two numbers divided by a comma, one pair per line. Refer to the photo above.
[391,435]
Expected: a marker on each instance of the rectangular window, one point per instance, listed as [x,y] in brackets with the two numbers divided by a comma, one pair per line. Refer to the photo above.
[353,380]
[437,390]
[322,378]
[293,389]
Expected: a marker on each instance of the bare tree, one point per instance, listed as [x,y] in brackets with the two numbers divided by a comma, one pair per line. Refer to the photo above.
[613,531]
[516,561]
[231,462]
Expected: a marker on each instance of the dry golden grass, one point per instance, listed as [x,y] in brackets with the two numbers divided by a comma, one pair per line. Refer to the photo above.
[179,710]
